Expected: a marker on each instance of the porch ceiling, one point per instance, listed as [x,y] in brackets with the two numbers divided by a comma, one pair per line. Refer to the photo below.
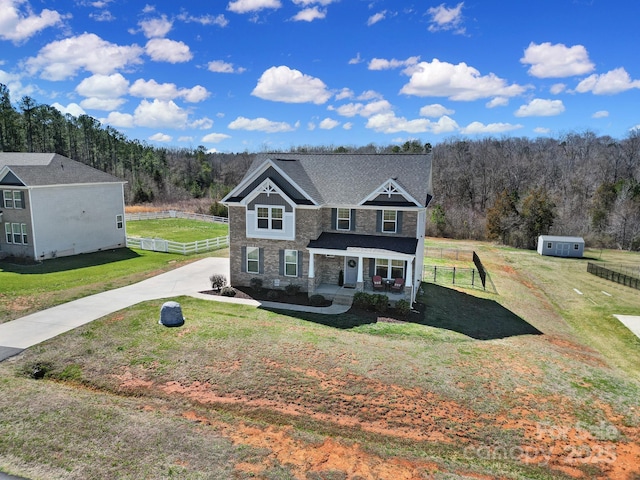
[348,242]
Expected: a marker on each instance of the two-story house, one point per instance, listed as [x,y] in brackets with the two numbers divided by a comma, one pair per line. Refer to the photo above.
[319,218]
[53,206]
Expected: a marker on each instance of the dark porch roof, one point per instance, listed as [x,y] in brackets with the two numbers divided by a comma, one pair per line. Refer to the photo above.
[343,241]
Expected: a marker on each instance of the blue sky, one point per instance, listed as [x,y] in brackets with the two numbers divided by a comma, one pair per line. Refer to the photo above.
[252,75]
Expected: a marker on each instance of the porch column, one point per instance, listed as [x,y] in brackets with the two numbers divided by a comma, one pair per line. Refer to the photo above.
[360,269]
[312,273]
[409,274]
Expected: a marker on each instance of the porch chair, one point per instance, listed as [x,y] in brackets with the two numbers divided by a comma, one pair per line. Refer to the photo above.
[397,285]
[376,280]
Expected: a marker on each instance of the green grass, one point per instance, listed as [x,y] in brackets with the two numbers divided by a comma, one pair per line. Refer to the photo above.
[176,229]
[28,288]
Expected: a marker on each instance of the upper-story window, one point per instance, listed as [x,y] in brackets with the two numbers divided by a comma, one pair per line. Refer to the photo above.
[389,221]
[270,218]
[13,198]
[343,219]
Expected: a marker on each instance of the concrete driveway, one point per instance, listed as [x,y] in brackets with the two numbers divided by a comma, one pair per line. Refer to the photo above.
[27,331]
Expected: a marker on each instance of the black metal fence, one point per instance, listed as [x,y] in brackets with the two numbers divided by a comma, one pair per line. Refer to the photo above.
[465,277]
[612,275]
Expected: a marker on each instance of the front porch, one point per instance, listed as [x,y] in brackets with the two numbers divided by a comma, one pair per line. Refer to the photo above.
[344,295]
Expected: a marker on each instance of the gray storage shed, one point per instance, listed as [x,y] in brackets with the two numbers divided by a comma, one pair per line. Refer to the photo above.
[561,246]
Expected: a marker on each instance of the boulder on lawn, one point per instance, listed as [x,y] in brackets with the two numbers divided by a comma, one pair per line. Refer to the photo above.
[171,315]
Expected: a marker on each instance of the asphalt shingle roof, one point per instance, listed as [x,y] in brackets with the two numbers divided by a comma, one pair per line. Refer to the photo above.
[347,179]
[344,241]
[38,169]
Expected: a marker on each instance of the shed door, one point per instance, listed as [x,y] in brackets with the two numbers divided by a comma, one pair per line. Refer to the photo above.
[562,249]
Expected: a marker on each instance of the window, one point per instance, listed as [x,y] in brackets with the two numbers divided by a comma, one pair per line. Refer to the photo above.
[270,218]
[343,219]
[389,268]
[253,260]
[389,220]
[16,233]
[8,199]
[291,263]
[13,199]
[119,222]
[549,245]
[576,246]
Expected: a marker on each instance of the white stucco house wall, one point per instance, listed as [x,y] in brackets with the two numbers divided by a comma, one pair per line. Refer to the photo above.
[53,206]
[557,246]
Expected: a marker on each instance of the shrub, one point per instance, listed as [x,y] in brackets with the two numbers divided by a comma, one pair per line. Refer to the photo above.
[361,300]
[228,291]
[292,289]
[403,307]
[256,284]
[380,303]
[37,370]
[217,281]
[317,300]
[273,294]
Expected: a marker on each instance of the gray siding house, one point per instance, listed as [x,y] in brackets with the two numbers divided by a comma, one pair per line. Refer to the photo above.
[54,206]
[556,246]
[314,219]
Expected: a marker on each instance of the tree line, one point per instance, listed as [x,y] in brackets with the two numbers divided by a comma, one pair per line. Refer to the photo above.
[508,189]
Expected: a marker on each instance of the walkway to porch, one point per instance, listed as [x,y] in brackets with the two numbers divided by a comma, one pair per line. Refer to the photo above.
[344,295]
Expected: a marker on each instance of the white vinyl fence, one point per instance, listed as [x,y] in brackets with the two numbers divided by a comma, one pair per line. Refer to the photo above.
[174,214]
[167,246]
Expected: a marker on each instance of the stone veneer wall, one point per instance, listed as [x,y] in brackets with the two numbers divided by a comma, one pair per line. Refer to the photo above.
[307,227]
[366,223]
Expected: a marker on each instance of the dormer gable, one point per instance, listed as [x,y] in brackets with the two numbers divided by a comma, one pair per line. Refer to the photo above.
[268,193]
[390,193]
[8,178]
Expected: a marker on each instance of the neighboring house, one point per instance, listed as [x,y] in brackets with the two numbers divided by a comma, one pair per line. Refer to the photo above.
[561,246]
[54,206]
[313,219]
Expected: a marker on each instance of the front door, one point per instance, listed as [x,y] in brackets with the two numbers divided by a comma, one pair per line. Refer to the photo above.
[350,271]
[562,249]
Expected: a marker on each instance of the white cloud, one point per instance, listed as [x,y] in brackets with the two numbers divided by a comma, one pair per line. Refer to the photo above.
[106,104]
[556,61]
[309,15]
[479,128]
[202,123]
[347,126]
[185,138]
[435,111]
[214,138]
[165,50]
[355,60]
[600,114]
[161,137]
[18,26]
[260,125]
[458,82]
[497,102]
[103,86]
[328,124]
[542,130]
[306,3]
[220,66]
[344,93]
[389,123]
[370,95]
[72,109]
[610,83]
[378,17]
[62,59]
[219,20]
[120,120]
[283,84]
[383,64]
[443,18]
[159,113]
[156,27]
[362,109]
[167,91]
[558,88]
[246,6]
[539,107]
